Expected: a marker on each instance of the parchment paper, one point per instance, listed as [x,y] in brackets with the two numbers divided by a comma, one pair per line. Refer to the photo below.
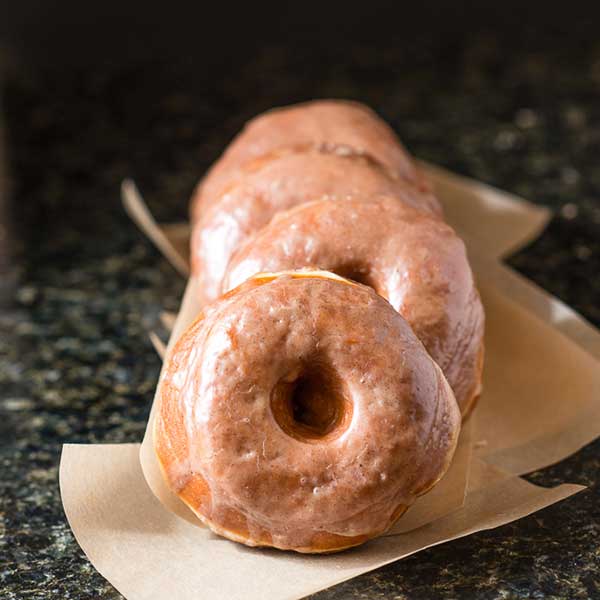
[495,222]
[542,390]
[540,404]
[149,553]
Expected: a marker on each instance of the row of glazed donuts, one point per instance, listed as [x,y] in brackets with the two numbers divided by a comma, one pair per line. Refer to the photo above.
[267,205]
[300,410]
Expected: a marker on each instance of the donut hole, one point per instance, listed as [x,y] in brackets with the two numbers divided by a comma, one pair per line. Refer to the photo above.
[357,273]
[311,405]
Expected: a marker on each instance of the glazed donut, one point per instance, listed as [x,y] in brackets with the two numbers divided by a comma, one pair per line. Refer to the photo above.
[414,260]
[279,182]
[328,124]
[301,412]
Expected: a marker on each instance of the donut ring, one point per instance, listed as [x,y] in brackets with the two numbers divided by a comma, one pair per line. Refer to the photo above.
[326,124]
[278,182]
[301,412]
[414,260]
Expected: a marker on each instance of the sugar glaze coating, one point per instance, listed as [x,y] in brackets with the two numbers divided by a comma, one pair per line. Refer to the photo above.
[332,124]
[377,423]
[280,181]
[414,260]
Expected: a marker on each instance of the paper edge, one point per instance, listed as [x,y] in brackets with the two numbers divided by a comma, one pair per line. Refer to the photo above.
[529,295]
[61,487]
[158,345]
[147,457]
[541,215]
[140,214]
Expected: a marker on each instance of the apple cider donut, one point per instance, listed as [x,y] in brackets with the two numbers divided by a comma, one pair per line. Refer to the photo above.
[414,260]
[280,182]
[326,124]
[301,412]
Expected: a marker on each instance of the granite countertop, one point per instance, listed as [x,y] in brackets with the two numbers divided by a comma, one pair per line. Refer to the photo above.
[81,286]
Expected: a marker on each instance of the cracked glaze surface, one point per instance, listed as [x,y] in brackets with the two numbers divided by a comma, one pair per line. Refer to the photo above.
[413,259]
[328,123]
[220,441]
[280,181]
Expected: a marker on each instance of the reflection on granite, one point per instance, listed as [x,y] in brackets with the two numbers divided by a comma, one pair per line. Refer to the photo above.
[75,361]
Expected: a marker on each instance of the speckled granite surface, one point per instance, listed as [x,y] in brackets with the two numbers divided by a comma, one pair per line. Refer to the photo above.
[75,361]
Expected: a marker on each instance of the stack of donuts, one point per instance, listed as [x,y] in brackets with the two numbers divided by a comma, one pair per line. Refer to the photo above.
[340,344]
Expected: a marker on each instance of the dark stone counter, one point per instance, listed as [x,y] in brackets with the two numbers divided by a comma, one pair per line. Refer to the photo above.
[75,361]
